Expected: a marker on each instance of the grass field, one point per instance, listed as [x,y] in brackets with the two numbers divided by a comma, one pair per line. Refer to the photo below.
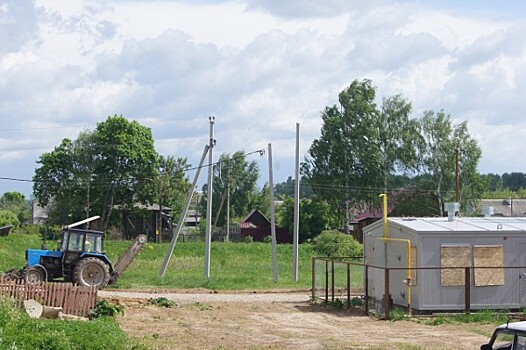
[233,266]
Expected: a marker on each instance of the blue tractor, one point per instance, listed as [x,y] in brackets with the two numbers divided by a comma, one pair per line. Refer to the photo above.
[80,259]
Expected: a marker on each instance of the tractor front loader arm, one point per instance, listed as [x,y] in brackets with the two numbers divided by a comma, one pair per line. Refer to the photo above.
[128,257]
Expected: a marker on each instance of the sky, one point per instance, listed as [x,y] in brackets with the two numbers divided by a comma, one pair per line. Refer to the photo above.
[258,67]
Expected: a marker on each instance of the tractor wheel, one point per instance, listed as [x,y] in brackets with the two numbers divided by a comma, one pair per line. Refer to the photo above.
[33,275]
[91,272]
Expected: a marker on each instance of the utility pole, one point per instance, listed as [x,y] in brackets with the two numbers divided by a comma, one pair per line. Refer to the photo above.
[295,238]
[208,233]
[272,216]
[457,185]
[159,220]
[228,204]
[183,214]
[87,201]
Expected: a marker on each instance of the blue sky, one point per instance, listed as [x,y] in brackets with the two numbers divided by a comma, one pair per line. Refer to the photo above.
[258,66]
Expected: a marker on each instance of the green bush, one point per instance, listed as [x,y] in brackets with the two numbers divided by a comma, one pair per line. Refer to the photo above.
[50,232]
[8,218]
[162,302]
[105,308]
[267,239]
[31,229]
[19,331]
[336,244]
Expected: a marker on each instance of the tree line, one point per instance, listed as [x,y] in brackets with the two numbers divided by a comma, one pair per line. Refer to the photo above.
[365,148]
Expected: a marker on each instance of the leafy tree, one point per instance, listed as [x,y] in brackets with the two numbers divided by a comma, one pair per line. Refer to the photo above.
[173,183]
[55,183]
[514,181]
[287,187]
[7,217]
[441,138]
[360,147]
[315,216]
[415,202]
[16,203]
[399,140]
[492,182]
[342,158]
[239,176]
[115,164]
[127,165]
[337,244]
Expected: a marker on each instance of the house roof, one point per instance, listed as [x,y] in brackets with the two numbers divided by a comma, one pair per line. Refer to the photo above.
[254,211]
[505,207]
[151,207]
[441,224]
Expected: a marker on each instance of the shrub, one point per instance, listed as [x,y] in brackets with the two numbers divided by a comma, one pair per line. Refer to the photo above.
[31,229]
[248,239]
[50,232]
[162,302]
[105,308]
[8,218]
[336,244]
[267,239]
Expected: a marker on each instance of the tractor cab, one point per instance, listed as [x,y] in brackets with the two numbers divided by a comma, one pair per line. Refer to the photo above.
[78,245]
[76,242]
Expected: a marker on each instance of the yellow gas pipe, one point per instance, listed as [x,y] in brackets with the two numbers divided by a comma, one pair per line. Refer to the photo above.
[386,238]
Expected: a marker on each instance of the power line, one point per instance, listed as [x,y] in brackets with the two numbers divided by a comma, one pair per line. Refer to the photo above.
[260,151]
[14,179]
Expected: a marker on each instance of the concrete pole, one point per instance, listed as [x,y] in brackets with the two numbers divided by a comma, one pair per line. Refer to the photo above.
[228,205]
[272,216]
[183,214]
[208,233]
[296,205]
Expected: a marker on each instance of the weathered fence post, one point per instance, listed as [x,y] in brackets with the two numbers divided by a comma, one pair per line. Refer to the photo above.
[467,284]
[326,282]
[332,280]
[366,301]
[387,299]
[313,279]
[348,284]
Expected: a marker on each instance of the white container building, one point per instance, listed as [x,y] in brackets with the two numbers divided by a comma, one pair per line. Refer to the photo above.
[495,242]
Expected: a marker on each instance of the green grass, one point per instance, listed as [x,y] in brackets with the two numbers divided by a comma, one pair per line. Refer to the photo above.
[12,249]
[479,317]
[233,266]
[19,331]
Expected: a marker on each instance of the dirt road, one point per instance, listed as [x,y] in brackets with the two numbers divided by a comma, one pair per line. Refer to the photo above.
[272,321]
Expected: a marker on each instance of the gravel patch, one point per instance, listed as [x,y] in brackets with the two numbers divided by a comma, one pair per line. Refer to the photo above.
[216,297]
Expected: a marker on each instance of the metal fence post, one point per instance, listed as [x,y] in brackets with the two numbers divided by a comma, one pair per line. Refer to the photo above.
[326,282]
[348,284]
[332,280]
[366,301]
[467,284]
[313,279]
[386,295]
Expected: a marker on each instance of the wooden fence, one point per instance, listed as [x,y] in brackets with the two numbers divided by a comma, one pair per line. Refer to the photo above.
[74,300]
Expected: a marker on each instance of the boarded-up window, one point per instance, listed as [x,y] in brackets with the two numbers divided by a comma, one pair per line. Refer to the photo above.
[413,264]
[454,256]
[488,256]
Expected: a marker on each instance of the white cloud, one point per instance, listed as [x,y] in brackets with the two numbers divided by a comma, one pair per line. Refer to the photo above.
[259,67]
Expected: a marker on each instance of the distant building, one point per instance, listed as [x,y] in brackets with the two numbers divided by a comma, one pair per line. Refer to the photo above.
[39,215]
[508,207]
[135,223]
[257,226]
